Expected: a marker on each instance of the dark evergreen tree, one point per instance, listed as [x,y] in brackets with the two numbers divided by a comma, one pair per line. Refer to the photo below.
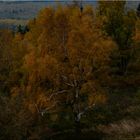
[19,29]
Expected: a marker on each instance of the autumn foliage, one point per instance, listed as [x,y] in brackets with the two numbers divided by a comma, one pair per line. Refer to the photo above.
[61,75]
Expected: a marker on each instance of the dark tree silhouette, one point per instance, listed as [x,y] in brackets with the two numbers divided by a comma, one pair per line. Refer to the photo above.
[138,10]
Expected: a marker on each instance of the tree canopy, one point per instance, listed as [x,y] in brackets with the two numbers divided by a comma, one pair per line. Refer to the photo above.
[68,71]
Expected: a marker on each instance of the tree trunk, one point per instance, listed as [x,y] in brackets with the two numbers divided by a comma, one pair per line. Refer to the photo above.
[77,124]
[77,127]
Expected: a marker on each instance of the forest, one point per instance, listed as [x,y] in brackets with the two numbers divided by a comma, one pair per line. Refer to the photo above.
[72,73]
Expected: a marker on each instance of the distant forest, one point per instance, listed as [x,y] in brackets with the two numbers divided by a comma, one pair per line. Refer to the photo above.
[29,9]
[13,13]
[72,72]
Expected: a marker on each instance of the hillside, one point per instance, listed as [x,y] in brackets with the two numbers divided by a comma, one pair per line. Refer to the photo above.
[13,13]
[29,9]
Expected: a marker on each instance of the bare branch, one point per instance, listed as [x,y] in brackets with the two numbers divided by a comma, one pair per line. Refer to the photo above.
[47,109]
[84,111]
[36,107]
[66,79]
[42,112]
[56,93]
[69,84]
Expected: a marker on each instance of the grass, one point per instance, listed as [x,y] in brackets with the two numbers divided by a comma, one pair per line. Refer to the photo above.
[82,136]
